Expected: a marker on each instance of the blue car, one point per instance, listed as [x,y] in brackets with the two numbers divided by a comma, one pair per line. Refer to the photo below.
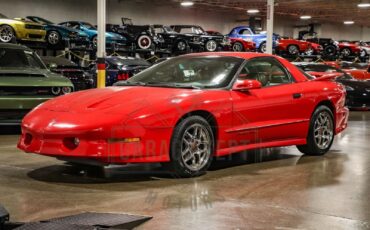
[91,31]
[249,34]
[57,35]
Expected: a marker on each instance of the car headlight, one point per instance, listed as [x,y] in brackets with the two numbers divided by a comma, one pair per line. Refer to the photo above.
[66,90]
[56,90]
[349,88]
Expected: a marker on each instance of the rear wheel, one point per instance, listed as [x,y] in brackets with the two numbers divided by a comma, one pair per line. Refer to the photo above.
[192,147]
[293,50]
[330,50]
[238,47]
[321,133]
[6,34]
[144,42]
[53,38]
[346,52]
[262,48]
[181,46]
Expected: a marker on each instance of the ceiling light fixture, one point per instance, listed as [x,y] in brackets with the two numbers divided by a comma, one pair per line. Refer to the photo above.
[305,17]
[348,22]
[363,5]
[253,11]
[187,3]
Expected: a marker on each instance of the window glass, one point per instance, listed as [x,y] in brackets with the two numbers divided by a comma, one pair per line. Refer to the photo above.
[244,32]
[18,58]
[268,72]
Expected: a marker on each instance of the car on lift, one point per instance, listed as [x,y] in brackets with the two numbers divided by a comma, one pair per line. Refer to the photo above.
[348,49]
[330,47]
[120,68]
[176,42]
[142,36]
[25,82]
[211,42]
[187,110]
[360,71]
[20,30]
[58,36]
[248,34]
[112,39]
[241,45]
[78,75]
[358,92]
[292,46]
[365,48]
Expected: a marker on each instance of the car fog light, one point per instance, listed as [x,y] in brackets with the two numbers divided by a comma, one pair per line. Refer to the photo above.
[71,142]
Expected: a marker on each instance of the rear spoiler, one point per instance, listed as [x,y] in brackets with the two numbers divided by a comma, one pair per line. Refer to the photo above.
[328,77]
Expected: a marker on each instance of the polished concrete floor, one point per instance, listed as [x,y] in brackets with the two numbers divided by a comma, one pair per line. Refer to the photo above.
[269,189]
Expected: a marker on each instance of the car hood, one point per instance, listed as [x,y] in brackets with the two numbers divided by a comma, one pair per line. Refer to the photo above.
[31,77]
[122,100]
[55,26]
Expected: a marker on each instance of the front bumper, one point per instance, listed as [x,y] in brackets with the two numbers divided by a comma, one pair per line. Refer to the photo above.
[22,102]
[31,35]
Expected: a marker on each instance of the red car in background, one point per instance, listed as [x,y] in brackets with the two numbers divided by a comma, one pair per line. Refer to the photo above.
[360,71]
[240,45]
[294,47]
[349,49]
[189,109]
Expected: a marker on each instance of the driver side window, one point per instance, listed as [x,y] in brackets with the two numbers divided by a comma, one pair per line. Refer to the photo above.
[265,70]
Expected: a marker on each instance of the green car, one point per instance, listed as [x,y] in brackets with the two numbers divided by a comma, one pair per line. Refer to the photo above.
[25,82]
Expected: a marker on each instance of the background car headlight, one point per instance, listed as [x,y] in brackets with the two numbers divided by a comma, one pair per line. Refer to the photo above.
[55,90]
[349,88]
[66,90]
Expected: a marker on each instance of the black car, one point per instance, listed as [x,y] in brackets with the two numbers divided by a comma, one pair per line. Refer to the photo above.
[121,68]
[211,42]
[80,78]
[177,42]
[142,36]
[330,47]
[358,92]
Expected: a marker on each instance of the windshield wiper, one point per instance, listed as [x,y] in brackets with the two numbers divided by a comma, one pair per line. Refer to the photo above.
[172,85]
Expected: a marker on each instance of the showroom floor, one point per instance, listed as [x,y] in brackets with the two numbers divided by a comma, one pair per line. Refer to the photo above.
[272,189]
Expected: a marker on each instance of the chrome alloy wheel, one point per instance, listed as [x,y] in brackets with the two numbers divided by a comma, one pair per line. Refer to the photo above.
[309,51]
[181,46]
[6,34]
[53,38]
[323,130]
[211,46]
[196,147]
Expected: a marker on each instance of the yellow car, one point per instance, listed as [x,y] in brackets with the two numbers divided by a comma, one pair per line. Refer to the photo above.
[21,30]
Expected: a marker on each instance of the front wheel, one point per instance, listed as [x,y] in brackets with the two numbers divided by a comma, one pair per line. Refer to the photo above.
[192,147]
[211,46]
[238,47]
[53,38]
[6,34]
[293,50]
[330,50]
[346,52]
[262,48]
[181,46]
[321,133]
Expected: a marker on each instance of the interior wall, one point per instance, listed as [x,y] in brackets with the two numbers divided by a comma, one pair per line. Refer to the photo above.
[150,12]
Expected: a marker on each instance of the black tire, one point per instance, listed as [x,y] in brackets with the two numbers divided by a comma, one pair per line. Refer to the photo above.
[311,147]
[94,41]
[7,34]
[238,47]
[53,38]
[293,50]
[262,47]
[181,46]
[346,52]
[178,166]
[330,50]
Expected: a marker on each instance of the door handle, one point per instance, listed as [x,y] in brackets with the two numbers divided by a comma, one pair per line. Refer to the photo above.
[297,95]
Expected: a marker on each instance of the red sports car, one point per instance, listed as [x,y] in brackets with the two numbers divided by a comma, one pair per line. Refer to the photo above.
[240,44]
[292,46]
[185,110]
[349,49]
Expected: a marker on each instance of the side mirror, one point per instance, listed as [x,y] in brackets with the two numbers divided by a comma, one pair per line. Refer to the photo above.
[52,66]
[245,85]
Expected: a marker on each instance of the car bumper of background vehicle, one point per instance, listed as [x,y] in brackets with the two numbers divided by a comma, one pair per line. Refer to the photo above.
[358,103]
[22,102]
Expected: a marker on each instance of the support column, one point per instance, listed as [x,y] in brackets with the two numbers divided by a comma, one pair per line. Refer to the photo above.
[270,25]
[101,6]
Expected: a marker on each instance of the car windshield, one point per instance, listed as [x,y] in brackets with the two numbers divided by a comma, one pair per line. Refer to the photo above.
[3,16]
[88,26]
[18,58]
[190,72]
[168,29]
[41,20]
